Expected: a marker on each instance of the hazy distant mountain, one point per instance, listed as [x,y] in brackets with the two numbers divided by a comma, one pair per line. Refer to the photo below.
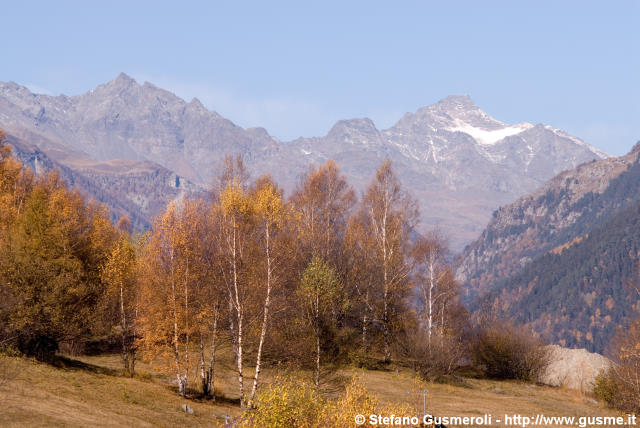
[459,162]
[559,258]
[137,189]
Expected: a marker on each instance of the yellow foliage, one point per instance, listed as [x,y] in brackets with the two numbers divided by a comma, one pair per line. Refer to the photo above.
[292,402]
[268,203]
[234,199]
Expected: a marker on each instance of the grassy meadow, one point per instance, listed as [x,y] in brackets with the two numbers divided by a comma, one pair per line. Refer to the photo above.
[91,391]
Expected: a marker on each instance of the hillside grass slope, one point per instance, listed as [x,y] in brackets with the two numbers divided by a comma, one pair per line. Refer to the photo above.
[90,391]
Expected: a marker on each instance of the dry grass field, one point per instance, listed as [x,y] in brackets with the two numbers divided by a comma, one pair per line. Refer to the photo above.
[90,391]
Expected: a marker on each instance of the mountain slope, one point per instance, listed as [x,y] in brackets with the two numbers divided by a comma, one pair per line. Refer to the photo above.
[138,190]
[560,258]
[459,162]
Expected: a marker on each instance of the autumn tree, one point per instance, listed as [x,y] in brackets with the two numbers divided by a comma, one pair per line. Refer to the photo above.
[319,292]
[236,218]
[322,204]
[51,264]
[389,216]
[15,184]
[270,214]
[211,297]
[362,276]
[436,342]
[119,273]
[439,291]
[170,305]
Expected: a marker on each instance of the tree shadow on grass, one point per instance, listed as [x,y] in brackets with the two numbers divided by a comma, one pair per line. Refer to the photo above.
[196,395]
[66,363]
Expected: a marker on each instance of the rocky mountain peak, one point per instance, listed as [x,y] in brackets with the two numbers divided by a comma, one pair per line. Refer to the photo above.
[450,113]
[123,85]
[454,103]
[196,103]
[362,128]
[15,92]
[124,79]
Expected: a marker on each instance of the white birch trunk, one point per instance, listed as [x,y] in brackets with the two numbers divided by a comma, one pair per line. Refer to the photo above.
[265,319]
[239,313]
[430,302]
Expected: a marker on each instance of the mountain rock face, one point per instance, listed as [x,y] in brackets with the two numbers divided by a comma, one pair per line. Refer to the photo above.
[456,160]
[561,259]
[138,190]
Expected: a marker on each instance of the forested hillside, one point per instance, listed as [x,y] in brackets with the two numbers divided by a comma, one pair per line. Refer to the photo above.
[560,260]
[578,296]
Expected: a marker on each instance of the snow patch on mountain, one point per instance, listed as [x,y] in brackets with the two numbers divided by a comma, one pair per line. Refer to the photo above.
[489,137]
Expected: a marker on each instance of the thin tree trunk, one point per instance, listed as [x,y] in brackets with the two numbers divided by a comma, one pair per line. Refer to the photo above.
[265,318]
[442,326]
[430,315]
[232,328]
[239,313]
[317,374]
[132,363]
[385,315]
[132,346]
[186,324]
[365,323]
[211,371]
[203,371]
[364,333]
[123,326]
[176,344]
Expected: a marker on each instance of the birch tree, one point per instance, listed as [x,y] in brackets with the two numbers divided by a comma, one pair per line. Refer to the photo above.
[428,255]
[209,293]
[270,214]
[390,217]
[236,216]
[119,274]
[170,274]
[362,275]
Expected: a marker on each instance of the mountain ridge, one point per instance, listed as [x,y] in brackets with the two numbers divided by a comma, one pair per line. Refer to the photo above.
[456,176]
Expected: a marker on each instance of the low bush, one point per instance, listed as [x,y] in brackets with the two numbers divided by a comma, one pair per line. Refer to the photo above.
[503,351]
[607,388]
[435,358]
[620,385]
[293,402]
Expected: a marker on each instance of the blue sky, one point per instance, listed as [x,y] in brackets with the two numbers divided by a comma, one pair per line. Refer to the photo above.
[297,67]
